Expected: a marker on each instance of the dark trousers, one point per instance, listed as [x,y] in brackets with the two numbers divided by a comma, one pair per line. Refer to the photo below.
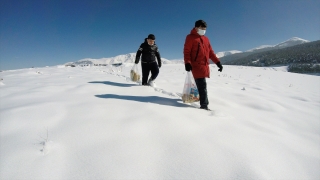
[146,68]
[202,88]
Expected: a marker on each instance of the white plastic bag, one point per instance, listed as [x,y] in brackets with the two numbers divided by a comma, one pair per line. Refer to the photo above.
[190,92]
[135,74]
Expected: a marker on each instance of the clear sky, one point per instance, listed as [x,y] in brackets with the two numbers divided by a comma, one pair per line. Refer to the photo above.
[50,32]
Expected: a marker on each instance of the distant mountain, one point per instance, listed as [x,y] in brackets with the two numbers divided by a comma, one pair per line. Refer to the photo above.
[290,42]
[262,47]
[301,58]
[226,56]
[104,61]
[125,58]
[227,53]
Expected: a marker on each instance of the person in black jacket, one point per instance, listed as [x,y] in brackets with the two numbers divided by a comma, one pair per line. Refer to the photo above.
[150,53]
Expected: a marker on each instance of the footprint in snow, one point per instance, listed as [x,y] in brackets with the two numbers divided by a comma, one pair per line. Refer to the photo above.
[46,147]
[196,105]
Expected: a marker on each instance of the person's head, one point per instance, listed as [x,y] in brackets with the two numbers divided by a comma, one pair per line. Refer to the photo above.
[151,38]
[201,27]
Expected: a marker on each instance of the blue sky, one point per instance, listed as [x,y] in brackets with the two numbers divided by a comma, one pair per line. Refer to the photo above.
[37,33]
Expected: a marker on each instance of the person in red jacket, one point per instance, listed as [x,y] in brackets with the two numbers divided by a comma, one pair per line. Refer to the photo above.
[197,51]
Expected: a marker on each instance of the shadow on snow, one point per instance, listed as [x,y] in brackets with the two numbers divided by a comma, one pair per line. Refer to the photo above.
[114,83]
[146,99]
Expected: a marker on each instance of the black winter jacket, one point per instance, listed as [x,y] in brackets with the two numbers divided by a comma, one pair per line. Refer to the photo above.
[149,53]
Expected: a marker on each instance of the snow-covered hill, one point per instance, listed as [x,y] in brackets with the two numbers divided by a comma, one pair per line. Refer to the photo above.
[260,48]
[290,42]
[227,53]
[125,58]
[91,123]
[112,60]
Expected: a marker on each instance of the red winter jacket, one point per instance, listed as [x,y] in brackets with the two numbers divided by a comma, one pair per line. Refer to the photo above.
[197,51]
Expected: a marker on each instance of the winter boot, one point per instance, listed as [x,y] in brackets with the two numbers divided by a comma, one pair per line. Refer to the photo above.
[151,82]
[205,108]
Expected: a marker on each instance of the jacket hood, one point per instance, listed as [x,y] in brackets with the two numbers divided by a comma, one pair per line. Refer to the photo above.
[194,32]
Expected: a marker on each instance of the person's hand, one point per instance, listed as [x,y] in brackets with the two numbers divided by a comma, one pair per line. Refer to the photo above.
[159,65]
[188,67]
[220,66]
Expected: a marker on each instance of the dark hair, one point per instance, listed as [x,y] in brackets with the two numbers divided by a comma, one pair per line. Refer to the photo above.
[200,23]
[151,36]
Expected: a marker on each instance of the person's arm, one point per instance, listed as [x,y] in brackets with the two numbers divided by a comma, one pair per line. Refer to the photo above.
[213,56]
[187,53]
[215,59]
[138,54]
[187,50]
[158,58]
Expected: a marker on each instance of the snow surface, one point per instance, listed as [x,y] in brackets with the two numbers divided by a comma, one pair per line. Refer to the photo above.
[91,123]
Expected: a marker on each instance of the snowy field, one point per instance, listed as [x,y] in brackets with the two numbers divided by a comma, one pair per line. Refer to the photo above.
[89,123]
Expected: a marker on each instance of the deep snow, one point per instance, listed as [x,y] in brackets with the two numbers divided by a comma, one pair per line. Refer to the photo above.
[90,123]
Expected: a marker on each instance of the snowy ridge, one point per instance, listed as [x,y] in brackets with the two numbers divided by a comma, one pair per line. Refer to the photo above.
[125,58]
[117,59]
[226,53]
[290,42]
[260,47]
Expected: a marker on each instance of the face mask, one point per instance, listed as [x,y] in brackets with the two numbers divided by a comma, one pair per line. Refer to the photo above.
[201,32]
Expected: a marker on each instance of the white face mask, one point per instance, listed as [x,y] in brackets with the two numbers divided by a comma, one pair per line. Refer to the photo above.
[201,32]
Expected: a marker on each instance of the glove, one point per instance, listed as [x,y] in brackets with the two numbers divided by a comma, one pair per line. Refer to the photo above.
[188,67]
[159,65]
[220,66]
